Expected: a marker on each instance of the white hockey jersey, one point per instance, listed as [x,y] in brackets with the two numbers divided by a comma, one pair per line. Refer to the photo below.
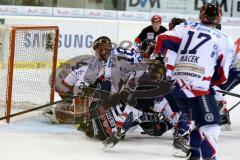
[120,66]
[72,78]
[236,62]
[198,49]
[83,69]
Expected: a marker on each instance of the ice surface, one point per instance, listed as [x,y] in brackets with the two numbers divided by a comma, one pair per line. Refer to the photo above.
[32,138]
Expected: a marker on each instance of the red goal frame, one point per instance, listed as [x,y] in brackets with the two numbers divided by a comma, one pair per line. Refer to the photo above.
[11,62]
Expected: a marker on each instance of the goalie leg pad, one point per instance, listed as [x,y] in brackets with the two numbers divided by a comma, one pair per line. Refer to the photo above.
[104,121]
[60,113]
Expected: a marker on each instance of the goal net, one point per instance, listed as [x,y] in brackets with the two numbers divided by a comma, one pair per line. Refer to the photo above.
[28,57]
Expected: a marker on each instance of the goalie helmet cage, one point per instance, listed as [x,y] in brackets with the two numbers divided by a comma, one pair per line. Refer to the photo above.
[28,59]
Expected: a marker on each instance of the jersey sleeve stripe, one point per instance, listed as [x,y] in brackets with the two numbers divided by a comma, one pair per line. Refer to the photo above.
[170,67]
[138,40]
[165,42]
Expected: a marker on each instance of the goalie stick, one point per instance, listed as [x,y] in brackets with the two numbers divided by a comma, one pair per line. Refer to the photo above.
[37,108]
[49,104]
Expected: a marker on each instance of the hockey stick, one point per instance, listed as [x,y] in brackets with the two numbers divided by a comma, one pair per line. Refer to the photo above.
[231,108]
[227,89]
[37,108]
[229,93]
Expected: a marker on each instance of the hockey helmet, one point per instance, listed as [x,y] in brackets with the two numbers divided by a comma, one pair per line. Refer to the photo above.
[156,19]
[175,21]
[102,47]
[147,47]
[211,13]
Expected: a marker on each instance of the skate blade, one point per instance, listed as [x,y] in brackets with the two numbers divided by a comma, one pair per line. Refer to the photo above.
[179,153]
[108,146]
[226,127]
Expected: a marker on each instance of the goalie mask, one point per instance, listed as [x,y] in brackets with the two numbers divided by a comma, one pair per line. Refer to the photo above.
[102,47]
[147,47]
[175,21]
[211,13]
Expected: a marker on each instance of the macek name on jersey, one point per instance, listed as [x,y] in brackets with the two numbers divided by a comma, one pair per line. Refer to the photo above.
[188,58]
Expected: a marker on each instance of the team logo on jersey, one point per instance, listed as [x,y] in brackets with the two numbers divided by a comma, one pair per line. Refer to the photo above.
[80,72]
[150,35]
[209,117]
[212,55]
[215,51]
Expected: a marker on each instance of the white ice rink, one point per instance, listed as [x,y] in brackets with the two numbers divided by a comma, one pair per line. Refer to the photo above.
[32,138]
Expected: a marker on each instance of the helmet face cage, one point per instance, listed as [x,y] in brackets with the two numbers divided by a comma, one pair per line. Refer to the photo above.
[175,21]
[211,13]
[102,47]
[147,48]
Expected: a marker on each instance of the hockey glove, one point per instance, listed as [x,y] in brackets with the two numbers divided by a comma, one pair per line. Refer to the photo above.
[88,90]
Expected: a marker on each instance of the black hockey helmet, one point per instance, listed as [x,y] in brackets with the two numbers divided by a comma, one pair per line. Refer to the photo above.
[175,21]
[219,26]
[211,13]
[102,47]
[147,47]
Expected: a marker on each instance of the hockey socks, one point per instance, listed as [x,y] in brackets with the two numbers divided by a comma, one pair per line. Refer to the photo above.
[195,144]
[209,144]
[203,142]
[161,105]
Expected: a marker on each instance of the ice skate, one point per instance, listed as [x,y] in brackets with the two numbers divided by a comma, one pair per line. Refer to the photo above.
[181,145]
[225,122]
[111,141]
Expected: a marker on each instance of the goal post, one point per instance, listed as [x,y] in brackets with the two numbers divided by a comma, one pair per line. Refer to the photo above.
[28,59]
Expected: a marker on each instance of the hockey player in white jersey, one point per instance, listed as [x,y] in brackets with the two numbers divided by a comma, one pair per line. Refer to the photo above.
[118,65]
[113,74]
[198,47]
[160,104]
[166,105]
[232,82]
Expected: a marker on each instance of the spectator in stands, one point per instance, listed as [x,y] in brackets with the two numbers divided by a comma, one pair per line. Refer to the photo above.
[150,32]
[119,5]
[94,4]
[5,2]
[2,21]
[114,5]
[32,3]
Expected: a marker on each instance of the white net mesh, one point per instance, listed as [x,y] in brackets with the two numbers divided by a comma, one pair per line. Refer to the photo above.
[33,60]
[5,33]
